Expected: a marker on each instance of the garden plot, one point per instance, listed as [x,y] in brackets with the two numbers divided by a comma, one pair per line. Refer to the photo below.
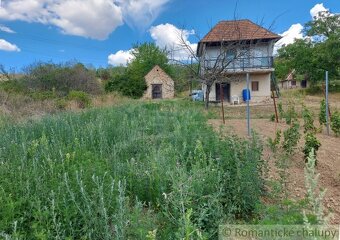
[328,158]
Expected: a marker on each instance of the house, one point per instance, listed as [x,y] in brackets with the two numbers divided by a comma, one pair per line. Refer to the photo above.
[159,85]
[291,83]
[233,49]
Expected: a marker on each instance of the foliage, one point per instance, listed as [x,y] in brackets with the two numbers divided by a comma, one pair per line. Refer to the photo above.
[60,78]
[291,137]
[335,123]
[314,195]
[319,51]
[322,113]
[290,114]
[308,120]
[137,171]
[311,144]
[132,83]
[274,143]
[82,98]
[280,110]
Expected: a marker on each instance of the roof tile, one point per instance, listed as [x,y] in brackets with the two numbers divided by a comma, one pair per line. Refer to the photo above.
[237,30]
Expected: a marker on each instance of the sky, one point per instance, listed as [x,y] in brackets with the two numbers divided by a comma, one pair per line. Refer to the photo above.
[102,32]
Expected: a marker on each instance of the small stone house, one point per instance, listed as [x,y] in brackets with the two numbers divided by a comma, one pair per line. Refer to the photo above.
[291,83]
[159,85]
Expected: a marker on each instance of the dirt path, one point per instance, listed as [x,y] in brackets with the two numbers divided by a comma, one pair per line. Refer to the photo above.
[328,160]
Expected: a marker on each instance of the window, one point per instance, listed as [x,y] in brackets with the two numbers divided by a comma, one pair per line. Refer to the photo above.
[255,86]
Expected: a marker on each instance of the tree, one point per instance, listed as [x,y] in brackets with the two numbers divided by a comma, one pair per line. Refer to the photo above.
[132,83]
[317,52]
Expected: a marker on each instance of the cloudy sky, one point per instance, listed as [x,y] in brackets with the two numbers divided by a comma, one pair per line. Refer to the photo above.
[102,32]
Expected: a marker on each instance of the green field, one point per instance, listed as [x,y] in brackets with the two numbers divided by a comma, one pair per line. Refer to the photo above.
[137,171]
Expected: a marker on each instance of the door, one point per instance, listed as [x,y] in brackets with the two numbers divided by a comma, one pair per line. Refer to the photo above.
[156,91]
[225,89]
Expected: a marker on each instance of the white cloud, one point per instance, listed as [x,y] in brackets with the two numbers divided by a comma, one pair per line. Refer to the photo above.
[120,58]
[316,9]
[165,36]
[87,18]
[6,29]
[141,13]
[172,38]
[9,47]
[289,36]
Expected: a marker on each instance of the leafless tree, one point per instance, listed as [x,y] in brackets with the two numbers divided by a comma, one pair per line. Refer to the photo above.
[233,58]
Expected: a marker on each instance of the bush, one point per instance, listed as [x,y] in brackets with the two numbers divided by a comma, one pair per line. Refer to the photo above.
[335,123]
[291,138]
[290,115]
[311,142]
[61,78]
[126,85]
[82,98]
[322,113]
[308,119]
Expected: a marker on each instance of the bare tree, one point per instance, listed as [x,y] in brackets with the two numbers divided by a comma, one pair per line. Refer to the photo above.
[226,60]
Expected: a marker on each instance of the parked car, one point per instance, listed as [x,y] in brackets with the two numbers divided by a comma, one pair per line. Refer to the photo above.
[197,95]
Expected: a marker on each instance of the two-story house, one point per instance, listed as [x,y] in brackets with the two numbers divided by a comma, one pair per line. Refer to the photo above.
[231,50]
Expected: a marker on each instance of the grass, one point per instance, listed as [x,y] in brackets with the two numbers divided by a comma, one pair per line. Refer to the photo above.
[125,172]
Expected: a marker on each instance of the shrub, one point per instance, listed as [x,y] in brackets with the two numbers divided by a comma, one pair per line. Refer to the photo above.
[281,111]
[61,78]
[322,113]
[335,123]
[61,104]
[126,85]
[308,119]
[82,98]
[290,115]
[274,143]
[311,142]
[291,138]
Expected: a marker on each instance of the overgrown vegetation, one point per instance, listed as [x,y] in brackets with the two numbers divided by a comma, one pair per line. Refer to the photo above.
[142,171]
[335,123]
[311,56]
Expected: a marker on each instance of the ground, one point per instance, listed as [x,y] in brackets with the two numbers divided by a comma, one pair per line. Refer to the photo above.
[328,154]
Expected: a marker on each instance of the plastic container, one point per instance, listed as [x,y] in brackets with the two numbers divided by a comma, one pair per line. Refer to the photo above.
[246,95]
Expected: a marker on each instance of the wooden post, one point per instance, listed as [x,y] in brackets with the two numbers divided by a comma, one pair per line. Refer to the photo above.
[222,98]
[276,116]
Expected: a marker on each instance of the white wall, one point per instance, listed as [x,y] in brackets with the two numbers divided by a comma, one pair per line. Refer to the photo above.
[236,87]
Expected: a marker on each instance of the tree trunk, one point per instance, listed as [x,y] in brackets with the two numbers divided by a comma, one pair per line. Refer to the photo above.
[207,93]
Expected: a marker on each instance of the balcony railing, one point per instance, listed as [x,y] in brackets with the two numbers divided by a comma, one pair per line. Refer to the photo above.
[240,63]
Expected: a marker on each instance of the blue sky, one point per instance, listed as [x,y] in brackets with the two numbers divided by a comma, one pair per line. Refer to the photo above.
[99,32]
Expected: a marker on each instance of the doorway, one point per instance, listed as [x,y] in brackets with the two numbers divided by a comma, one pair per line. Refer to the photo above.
[225,89]
[156,91]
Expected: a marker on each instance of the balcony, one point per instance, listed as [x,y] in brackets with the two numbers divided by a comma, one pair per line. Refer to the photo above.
[241,64]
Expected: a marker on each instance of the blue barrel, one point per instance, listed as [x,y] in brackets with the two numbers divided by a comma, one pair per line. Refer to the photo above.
[246,95]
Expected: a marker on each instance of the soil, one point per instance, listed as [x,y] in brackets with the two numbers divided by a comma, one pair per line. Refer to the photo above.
[328,158]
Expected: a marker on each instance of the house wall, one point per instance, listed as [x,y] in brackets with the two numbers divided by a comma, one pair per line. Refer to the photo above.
[158,76]
[286,85]
[240,83]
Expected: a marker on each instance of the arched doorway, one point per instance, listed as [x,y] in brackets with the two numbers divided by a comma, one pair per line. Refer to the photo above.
[156,91]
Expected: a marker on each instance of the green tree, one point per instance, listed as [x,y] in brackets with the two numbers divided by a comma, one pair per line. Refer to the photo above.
[132,83]
[317,52]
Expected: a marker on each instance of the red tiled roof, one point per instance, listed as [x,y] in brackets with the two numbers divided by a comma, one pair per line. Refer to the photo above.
[237,30]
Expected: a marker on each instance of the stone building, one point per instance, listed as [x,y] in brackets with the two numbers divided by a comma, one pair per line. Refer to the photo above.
[160,85]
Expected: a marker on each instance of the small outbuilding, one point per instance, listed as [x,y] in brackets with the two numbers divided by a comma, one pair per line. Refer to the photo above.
[159,85]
